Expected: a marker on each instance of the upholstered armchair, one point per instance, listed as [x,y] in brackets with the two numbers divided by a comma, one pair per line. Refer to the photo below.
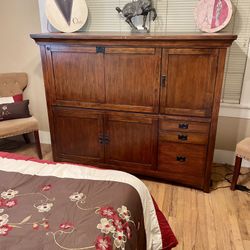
[11,87]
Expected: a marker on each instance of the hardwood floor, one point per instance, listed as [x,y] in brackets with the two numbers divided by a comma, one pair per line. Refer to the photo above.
[219,220]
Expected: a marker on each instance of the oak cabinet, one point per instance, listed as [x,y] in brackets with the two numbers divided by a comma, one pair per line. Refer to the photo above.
[132,140]
[132,78]
[190,81]
[100,77]
[144,103]
[77,75]
[96,137]
[182,162]
[77,133]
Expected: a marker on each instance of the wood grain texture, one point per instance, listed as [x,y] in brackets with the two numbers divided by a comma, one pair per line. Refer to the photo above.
[184,125]
[78,75]
[77,134]
[136,134]
[214,115]
[194,138]
[133,78]
[224,38]
[216,221]
[190,81]
[177,158]
[237,168]
[154,93]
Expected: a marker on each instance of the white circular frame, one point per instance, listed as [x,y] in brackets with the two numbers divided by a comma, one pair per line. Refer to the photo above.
[201,10]
[78,17]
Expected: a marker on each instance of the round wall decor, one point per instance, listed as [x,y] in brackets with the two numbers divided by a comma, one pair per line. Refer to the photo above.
[213,15]
[66,15]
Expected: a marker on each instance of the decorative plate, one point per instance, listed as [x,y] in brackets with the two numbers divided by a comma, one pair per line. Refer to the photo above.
[66,15]
[213,15]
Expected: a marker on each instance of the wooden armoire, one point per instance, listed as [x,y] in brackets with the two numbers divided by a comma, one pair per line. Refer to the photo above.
[142,103]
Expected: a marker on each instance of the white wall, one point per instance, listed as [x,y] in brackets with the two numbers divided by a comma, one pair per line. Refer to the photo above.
[19,53]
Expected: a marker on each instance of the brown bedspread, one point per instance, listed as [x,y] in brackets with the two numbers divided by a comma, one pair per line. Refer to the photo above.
[50,213]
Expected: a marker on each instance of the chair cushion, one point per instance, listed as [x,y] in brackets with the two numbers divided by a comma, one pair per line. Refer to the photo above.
[14,110]
[243,149]
[18,127]
[12,83]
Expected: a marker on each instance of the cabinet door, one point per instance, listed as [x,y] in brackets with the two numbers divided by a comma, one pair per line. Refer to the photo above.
[190,81]
[132,140]
[77,75]
[132,79]
[77,134]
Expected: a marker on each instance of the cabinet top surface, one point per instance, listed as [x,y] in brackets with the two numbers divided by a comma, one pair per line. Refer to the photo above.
[134,36]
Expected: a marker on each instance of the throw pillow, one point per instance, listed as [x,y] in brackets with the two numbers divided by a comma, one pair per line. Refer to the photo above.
[14,110]
[11,99]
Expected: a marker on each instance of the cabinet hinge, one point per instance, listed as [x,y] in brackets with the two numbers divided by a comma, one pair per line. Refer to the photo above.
[100,49]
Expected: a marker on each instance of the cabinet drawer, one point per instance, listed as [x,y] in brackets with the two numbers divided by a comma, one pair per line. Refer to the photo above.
[183,159]
[188,126]
[194,138]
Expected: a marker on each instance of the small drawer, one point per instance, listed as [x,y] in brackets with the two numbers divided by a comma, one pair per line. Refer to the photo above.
[194,138]
[182,159]
[188,126]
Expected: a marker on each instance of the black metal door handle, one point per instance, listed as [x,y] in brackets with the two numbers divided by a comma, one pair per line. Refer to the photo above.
[163,80]
[100,139]
[106,139]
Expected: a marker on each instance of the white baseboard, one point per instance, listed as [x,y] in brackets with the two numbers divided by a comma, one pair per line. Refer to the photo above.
[225,156]
[220,156]
[45,137]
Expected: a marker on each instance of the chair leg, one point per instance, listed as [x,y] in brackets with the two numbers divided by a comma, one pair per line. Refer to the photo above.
[236,173]
[38,145]
[26,138]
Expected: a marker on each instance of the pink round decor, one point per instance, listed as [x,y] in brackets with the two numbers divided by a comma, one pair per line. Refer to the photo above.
[213,15]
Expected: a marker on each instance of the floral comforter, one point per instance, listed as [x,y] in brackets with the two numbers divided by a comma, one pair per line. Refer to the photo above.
[62,206]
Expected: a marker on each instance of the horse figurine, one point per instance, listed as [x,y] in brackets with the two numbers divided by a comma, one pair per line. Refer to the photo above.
[136,8]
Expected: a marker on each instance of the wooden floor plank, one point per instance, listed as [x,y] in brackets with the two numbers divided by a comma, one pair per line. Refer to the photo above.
[219,220]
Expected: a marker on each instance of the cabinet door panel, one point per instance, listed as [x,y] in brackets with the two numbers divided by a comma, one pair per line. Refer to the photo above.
[132,140]
[77,134]
[190,81]
[132,78]
[78,74]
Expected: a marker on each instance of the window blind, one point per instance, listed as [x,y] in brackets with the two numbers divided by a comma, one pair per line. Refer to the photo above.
[177,16]
[237,55]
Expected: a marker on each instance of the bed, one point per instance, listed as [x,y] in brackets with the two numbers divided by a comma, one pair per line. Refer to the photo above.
[49,206]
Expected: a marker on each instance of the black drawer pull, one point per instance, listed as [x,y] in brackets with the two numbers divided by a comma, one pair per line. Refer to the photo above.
[182,137]
[183,125]
[181,158]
